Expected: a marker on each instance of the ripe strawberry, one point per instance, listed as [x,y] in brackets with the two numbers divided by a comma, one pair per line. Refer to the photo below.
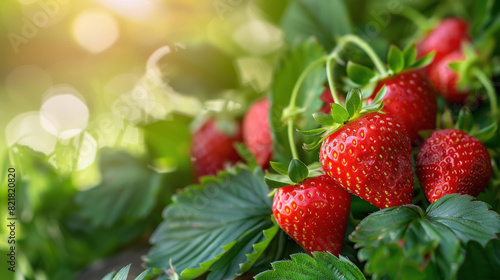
[371,157]
[211,148]
[257,132]
[447,37]
[327,98]
[411,97]
[451,161]
[445,80]
[314,213]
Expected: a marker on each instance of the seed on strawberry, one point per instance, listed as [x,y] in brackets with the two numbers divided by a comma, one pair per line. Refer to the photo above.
[257,132]
[445,80]
[314,213]
[411,97]
[212,148]
[451,161]
[371,158]
[447,37]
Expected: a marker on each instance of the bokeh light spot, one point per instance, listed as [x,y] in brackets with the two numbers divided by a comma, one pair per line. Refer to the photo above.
[64,115]
[95,31]
[26,129]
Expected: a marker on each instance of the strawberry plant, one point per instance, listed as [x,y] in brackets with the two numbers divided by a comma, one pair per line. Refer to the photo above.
[302,139]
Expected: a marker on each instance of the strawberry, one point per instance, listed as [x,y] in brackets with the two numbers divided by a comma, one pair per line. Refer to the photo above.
[257,132]
[451,161]
[411,97]
[445,80]
[211,148]
[314,213]
[371,157]
[447,37]
[327,98]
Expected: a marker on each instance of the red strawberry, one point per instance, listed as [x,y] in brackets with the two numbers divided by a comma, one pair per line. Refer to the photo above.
[314,213]
[371,157]
[451,161]
[211,148]
[445,80]
[411,97]
[445,38]
[257,132]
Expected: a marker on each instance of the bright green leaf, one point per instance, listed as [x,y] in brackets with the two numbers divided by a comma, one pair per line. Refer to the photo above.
[297,171]
[410,54]
[380,95]
[353,102]
[360,74]
[323,119]
[395,59]
[486,133]
[320,266]
[280,167]
[424,61]
[339,113]
[315,131]
[465,120]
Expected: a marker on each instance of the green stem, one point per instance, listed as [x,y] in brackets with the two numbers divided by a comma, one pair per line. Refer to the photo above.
[381,69]
[490,90]
[291,109]
[354,222]
[329,76]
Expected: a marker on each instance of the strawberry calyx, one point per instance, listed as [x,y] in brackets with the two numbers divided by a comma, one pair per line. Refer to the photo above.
[465,123]
[342,115]
[291,174]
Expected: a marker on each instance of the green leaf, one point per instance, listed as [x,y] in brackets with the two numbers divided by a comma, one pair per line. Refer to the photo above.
[395,59]
[315,131]
[410,54]
[323,119]
[213,226]
[322,265]
[246,155]
[465,120]
[280,167]
[400,239]
[324,20]
[277,180]
[339,113]
[124,273]
[288,71]
[481,262]
[128,191]
[468,219]
[353,102]
[297,171]
[359,74]
[380,95]
[486,133]
[424,61]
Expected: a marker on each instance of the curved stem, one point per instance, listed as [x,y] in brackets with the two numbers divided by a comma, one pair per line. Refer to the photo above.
[490,90]
[291,109]
[381,69]
[329,76]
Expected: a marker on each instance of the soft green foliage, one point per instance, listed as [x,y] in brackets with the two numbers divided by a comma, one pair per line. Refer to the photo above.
[481,262]
[404,242]
[214,226]
[320,266]
[122,274]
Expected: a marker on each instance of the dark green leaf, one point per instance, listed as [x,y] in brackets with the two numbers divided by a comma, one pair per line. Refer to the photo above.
[465,120]
[213,226]
[286,74]
[320,266]
[424,61]
[481,262]
[323,119]
[468,219]
[297,171]
[359,74]
[128,191]
[395,59]
[353,102]
[410,54]
[123,274]
[280,167]
[339,113]
[246,155]
[324,20]
[276,181]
